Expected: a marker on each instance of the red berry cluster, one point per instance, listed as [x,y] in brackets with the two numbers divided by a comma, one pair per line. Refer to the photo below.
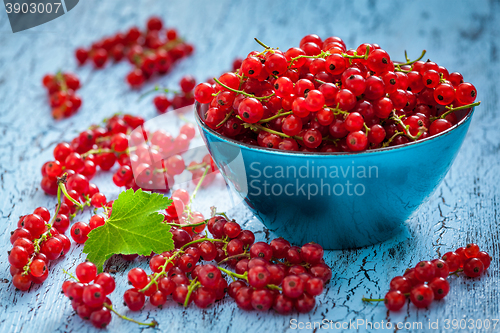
[89,293]
[427,281]
[275,275]
[104,146]
[321,97]
[62,97]
[87,151]
[181,99]
[154,50]
[35,243]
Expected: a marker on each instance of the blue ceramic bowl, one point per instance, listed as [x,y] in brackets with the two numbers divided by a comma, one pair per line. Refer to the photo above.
[339,200]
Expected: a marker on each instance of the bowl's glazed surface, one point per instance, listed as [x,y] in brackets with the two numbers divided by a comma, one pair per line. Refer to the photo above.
[339,200]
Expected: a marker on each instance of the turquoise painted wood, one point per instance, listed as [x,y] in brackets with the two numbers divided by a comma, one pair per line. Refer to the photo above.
[461,35]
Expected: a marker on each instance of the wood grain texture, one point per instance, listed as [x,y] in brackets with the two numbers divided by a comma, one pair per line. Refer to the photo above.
[462,35]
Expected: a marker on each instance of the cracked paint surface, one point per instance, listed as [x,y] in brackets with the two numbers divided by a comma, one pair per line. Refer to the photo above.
[465,207]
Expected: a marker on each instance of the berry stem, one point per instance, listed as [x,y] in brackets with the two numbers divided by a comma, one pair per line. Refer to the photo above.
[202,240]
[99,151]
[323,54]
[262,44]
[336,110]
[60,79]
[242,92]
[193,195]
[234,275]
[184,119]
[70,275]
[65,192]
[356,56]
[451,109]
[456,272]
[372,299]
[236,256]
[277,115]
[411,62]
[257,126]
[386,144]
[196,167]
[192,287]
[187,209]
[367,129]
[190,225]
[245,277]
[226,118]
[58,203]
[110,308]
[162,272]
[406,127]
[157,88]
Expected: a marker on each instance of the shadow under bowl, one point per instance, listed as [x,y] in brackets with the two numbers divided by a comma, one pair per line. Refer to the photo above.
[339,200]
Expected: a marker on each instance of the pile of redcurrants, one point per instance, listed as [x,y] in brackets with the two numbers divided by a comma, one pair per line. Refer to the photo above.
[321,97]
[152,51]
[427,281]
[62,97]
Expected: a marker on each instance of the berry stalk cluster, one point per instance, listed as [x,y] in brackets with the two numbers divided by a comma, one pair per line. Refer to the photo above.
[39,240]
[152,51]
[61,88]
[321,97]
[180,98]
[427,281]
[89,295]
[104,146]
[275,275]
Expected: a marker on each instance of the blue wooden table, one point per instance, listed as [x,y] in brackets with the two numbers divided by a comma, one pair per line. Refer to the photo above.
[462,35]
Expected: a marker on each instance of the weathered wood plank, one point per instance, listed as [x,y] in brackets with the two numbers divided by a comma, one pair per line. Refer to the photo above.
[461,35]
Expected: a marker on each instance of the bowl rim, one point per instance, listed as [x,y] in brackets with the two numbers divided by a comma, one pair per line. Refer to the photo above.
[200,122]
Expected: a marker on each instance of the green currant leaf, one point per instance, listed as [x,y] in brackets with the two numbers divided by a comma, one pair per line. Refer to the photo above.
[134,227]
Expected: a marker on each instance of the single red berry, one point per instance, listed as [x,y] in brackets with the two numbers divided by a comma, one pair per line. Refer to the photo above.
[471,250]
[259,277]
[425,271]
[262,299]
[100,318]
[21,281]
[261,250]
[204,297]
[440,286]
[401,283]
[180,293]
[485,258]
[422,296]
[304,303]
[466,93]
[96,221]
[93,295]
[79,232]
[134,299]
[312,253]
[441,267]
[394,300]
[86,272]
[453,260]
[293,286]
[280,247]
[209,276]
[243,298]
[138,278]
[106,281]
[473,267]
